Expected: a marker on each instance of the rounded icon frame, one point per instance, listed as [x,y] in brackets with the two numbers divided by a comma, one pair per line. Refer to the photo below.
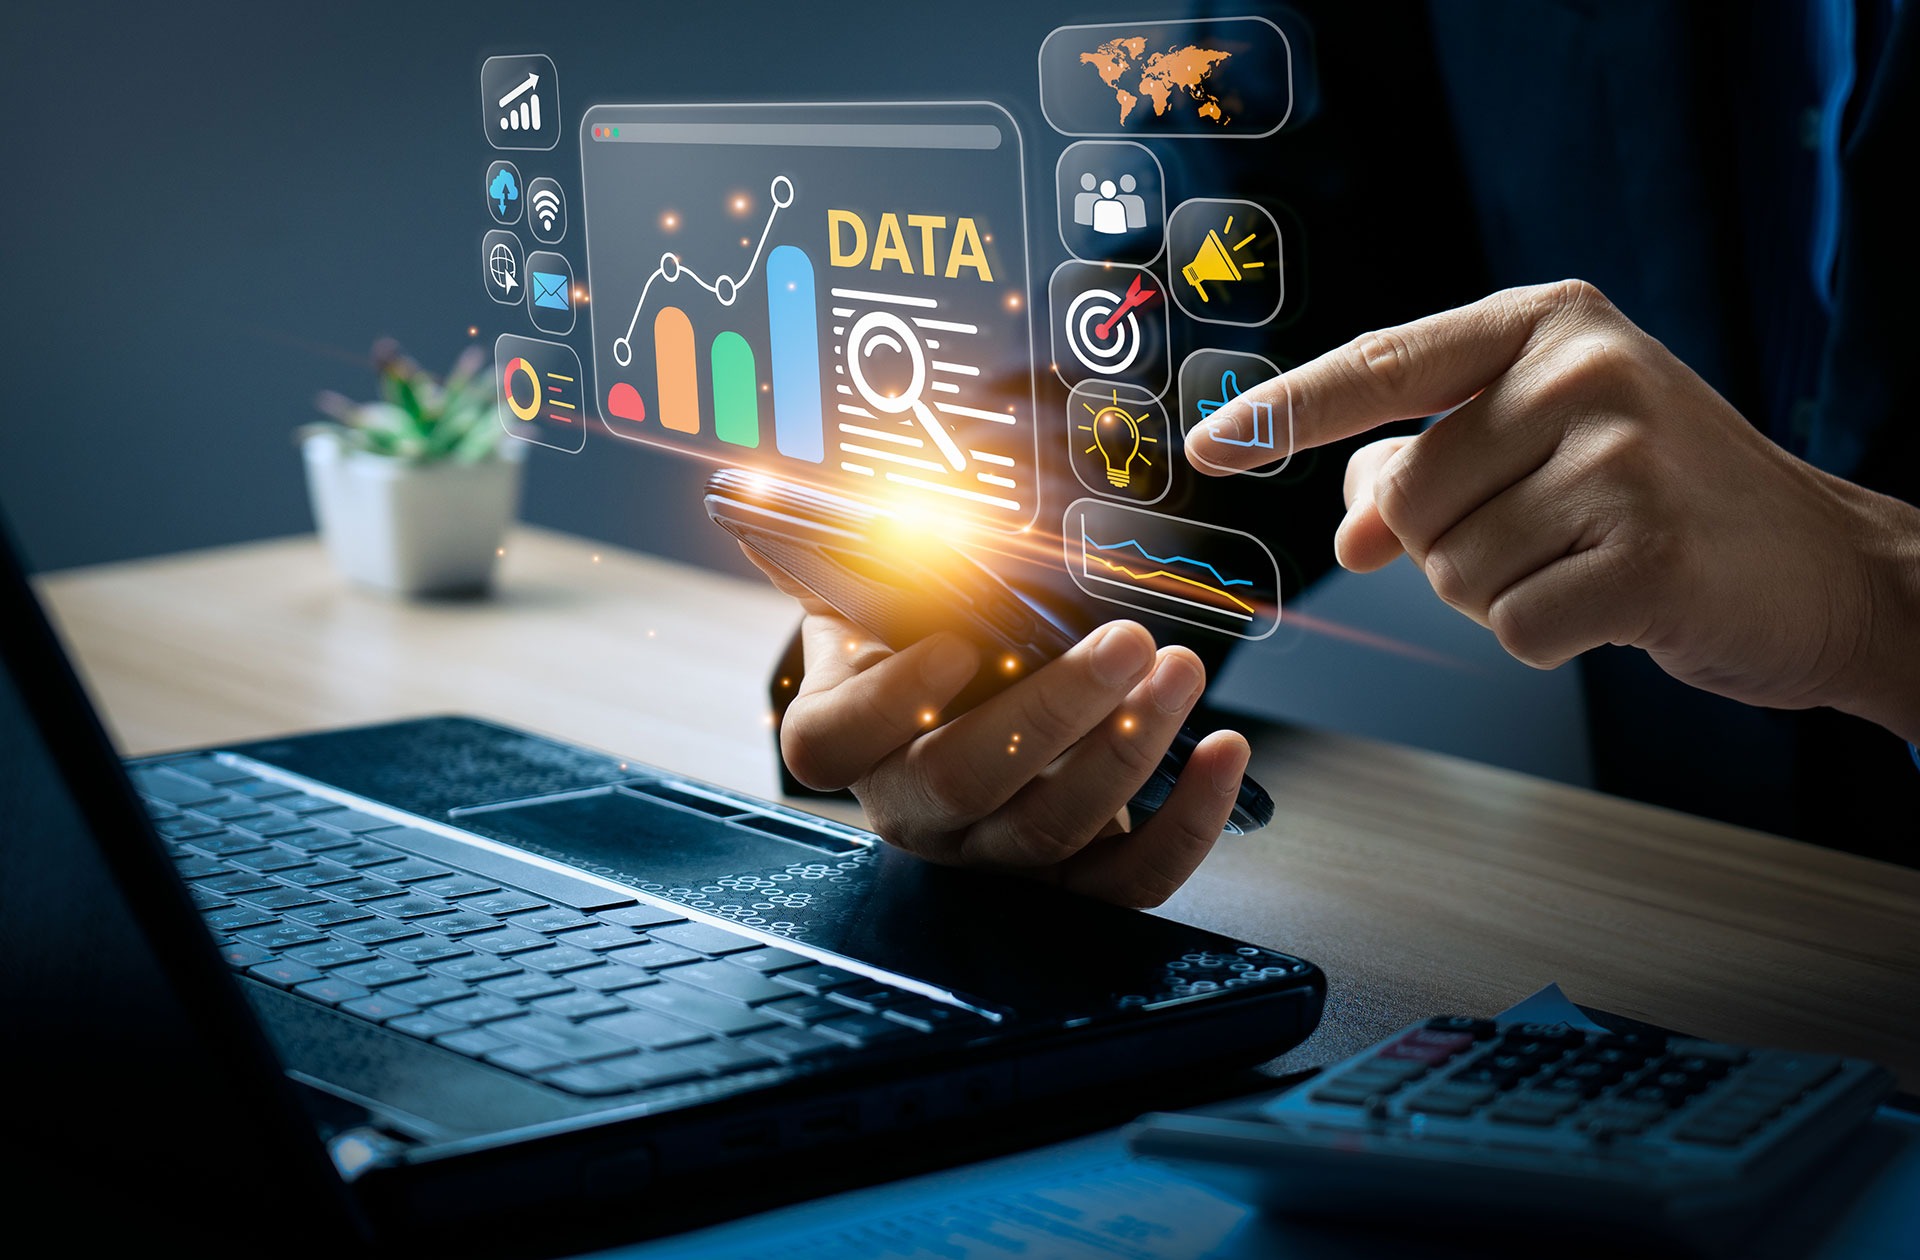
[1054,322]
[560,192]
[1286,116]
[1059,210]
[519,194]
[1090,389]
[573,314]
[1066,557]
[487,106]
[502,400]
[1186,428]
[1279,262]
[487,244]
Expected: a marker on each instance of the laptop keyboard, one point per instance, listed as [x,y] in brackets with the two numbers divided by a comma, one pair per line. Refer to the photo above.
[598,999]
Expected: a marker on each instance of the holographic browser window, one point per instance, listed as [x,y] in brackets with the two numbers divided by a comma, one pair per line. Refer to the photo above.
[831,293]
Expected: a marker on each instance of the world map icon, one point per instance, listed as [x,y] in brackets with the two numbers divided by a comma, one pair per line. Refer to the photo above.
[1125,66]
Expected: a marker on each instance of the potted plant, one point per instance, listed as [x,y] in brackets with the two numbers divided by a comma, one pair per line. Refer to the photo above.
[413,492]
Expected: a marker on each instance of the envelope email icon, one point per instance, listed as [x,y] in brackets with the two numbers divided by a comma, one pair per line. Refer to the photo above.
[550,290]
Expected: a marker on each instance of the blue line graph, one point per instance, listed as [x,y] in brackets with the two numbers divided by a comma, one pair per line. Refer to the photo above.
[1218,576]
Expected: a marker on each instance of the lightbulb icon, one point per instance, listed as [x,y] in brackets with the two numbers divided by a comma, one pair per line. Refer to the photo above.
[1117,439]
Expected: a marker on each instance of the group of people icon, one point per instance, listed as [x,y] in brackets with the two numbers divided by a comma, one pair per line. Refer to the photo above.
[1108,208]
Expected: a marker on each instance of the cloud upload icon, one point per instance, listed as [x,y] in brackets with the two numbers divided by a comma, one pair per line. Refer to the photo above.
[503,189]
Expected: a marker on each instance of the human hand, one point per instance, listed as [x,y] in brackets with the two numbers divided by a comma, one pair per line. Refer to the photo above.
[1036,778]
[1589,488]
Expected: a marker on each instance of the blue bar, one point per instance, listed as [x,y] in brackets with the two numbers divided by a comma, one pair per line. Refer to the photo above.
[794,333]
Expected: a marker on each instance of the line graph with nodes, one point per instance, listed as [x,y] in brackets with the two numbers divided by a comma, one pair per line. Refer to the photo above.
[724,288]
[1145,577]
[1223,580]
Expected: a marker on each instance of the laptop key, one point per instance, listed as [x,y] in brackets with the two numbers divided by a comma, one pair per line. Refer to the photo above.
[329,914]
[578,1042]
[525,986]
[793,1044]
[330,989]
[769,960]
[924,1016]
[474,968]
[272,858]
[238,882]
[376,932]
[224,842]
[554,886]
[280,935]
[278,897]
[207,770]
[411,906]
[602,937]
[482,1008]
[204,900]
[455,886]
[197,867]
[293,832]
[525,1060]
[360,888]
[647,1030]
[229,809]
[319,874]
[236,917]
[706,938]
[381,972]
[458,924]
[802,1011]
[558,958]
[360,854]
[557,919]
[641,916]
[870,997]
[578,1005]
[326,954]
[817,979]
[241,954]
[862,1030]
[302,803]
[349,820]
[729,981]
[471,1041]
[508,941]
[426,1025]
[284,973]
[430,991]
[701,1009]
[426,949]
[174,789]
[503,901]
[259,789]
[186,827]
[379,1008]
[611,978]
[657,955]
[412,870]
[722,1057]
[590,1082]
[646,1071]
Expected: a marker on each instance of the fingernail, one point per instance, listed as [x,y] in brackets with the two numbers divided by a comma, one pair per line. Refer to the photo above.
[1226,774]
[950,663]
[1120,656]
[1175,684]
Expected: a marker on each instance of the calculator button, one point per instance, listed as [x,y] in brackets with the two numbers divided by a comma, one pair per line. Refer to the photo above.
[1478,1029]
[1449,1099]
[1428,1047]
[1707,1050]
[1796,1072]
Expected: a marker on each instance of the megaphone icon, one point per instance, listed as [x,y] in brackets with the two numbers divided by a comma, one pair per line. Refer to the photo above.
[1212,262]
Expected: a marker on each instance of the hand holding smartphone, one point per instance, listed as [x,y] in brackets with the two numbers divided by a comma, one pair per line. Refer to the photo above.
[841,551]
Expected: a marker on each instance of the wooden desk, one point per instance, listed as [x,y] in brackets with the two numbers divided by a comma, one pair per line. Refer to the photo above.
[1421,883]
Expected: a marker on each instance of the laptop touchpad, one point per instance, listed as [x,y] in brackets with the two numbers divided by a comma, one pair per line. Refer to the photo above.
[663,838]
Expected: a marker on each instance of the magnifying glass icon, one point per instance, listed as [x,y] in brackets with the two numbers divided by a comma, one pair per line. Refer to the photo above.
[884,328]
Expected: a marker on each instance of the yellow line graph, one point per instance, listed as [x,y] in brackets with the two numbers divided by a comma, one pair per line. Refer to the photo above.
[1142,577]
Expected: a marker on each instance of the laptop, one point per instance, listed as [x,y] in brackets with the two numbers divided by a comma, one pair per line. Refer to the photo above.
[442,980]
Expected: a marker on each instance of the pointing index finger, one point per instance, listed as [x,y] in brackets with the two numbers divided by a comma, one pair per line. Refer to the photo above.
[1401,373]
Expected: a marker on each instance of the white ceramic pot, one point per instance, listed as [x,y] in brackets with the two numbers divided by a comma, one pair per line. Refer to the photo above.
[414,529]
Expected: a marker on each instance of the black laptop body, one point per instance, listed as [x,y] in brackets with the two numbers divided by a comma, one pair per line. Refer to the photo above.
[443,978]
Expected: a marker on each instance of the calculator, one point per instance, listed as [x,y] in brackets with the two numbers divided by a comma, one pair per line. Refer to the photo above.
[1493,1123]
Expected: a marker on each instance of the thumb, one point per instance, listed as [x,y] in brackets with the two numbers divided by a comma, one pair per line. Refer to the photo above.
[1363,542]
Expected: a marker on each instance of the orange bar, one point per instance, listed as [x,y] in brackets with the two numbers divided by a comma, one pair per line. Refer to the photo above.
[673,358]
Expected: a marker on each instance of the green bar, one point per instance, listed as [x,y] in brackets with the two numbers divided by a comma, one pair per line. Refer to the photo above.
[736,392]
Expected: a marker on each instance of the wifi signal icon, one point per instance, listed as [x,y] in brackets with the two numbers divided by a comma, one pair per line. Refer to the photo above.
[546,210]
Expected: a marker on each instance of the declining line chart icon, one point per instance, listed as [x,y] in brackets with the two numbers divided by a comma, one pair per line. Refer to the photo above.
[1205,575]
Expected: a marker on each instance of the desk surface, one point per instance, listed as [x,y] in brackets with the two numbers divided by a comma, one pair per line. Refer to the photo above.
[1421,883]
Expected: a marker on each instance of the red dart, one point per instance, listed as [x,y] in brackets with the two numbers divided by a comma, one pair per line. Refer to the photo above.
[1136,296]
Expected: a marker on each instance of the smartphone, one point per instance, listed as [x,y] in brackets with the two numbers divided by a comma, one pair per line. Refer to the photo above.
[900,590]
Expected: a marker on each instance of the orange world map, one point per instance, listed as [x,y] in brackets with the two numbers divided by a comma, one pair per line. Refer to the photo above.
[1119,64]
